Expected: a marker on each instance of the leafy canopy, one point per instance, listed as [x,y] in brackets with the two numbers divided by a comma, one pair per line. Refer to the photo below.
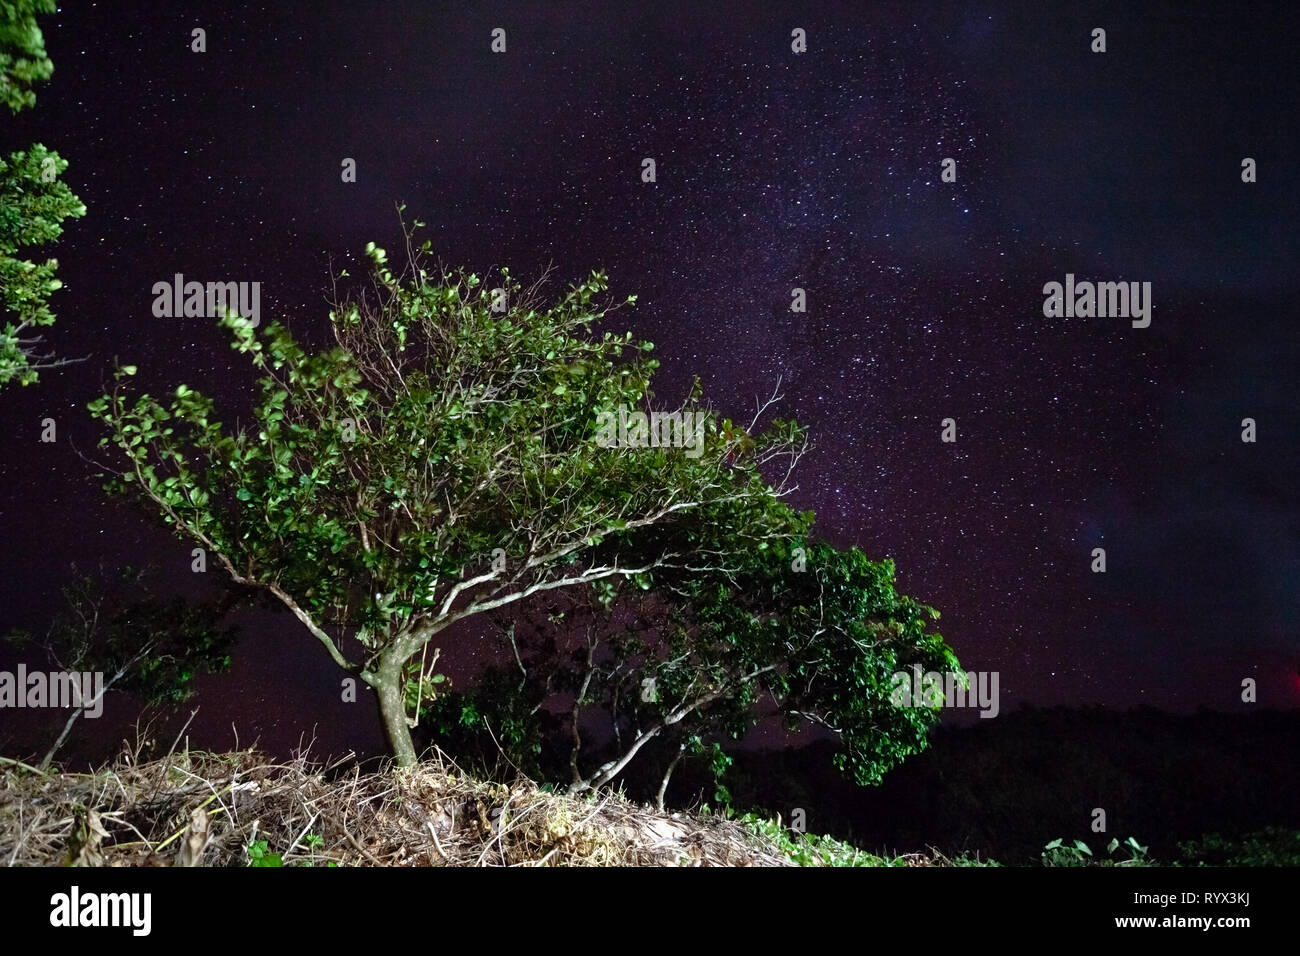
[23,62]
[815,634]
[33,202]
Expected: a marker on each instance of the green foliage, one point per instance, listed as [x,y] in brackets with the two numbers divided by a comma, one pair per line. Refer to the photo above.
[809,849]
[259,855]
[1077,853]
[422,689]
[1271,846]
[33,201]
[1057,853]
[834,635]
[718,764]
[23,62]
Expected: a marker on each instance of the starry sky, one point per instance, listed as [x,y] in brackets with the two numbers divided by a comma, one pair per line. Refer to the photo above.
[775,170]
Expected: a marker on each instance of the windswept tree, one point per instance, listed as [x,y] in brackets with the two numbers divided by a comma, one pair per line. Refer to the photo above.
[446,458]
[33,202]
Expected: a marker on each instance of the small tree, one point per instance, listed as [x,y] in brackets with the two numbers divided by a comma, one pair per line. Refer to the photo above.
[33,202]
[143,644]
[442,462]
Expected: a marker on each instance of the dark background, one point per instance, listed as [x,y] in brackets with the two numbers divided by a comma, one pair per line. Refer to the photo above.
[775,170]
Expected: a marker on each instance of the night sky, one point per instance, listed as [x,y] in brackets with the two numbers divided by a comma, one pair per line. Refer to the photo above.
[775,170]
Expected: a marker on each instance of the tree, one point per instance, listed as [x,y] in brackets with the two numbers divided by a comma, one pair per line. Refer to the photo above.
[23,62]
[33,202]
[143,644]
[818,634]
[442,461]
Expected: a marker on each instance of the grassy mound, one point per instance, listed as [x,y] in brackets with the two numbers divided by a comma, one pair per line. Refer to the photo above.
[241,809]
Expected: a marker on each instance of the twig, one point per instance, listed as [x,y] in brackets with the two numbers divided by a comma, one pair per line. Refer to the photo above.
[25,766]
[436,845]
[360,849]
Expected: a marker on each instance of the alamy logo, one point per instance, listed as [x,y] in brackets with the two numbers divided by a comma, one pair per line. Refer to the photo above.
[75,908]
[181,299]
[635,429]
[1103,300]
[951,689]
[56,689]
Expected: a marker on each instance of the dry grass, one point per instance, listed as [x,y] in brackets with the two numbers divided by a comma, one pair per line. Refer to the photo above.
[202,809]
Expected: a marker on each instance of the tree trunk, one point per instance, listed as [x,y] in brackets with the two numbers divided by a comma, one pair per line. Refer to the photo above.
[386,679]
[663,784]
